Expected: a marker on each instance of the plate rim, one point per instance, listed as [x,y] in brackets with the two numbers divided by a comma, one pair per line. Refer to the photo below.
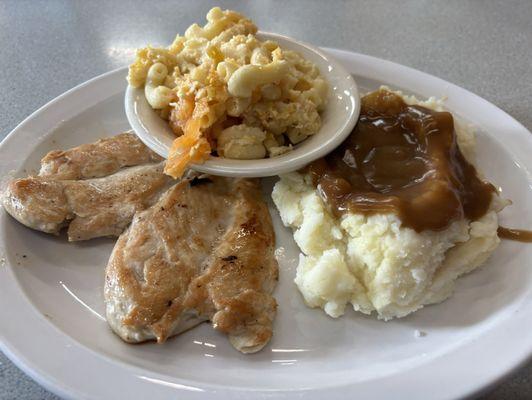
[50,380]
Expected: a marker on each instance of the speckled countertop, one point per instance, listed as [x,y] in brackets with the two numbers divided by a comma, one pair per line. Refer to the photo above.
[48,47]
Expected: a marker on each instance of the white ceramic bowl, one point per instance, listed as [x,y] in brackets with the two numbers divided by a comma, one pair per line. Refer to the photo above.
[338,119]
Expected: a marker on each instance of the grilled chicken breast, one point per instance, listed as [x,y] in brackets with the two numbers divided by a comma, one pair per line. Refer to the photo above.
[204,251]
[101,158]
[90,208]
[94,189]
[197,250]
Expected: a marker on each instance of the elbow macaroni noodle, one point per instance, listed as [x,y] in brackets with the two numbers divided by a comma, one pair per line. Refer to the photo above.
[157,94]
[248,77]
[251,98]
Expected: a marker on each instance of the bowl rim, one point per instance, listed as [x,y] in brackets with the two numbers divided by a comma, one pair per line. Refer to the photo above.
[281,164]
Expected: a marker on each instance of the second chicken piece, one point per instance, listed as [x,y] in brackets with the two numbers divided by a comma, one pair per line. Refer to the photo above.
[204,251]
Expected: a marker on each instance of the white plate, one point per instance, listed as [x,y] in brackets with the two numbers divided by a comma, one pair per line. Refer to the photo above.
[51,302]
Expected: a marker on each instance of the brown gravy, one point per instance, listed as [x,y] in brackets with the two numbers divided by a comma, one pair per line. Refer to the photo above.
[515,234]
[404,160]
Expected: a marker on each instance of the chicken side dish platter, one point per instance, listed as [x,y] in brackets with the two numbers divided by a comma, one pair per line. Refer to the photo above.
[386,223]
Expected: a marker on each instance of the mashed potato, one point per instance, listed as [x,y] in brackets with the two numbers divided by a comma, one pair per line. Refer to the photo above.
[372,261]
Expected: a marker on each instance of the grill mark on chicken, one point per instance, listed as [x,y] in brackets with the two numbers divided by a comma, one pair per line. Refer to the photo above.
[176,267]
[200,181]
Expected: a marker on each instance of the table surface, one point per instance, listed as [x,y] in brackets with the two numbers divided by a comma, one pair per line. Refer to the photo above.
[48,47]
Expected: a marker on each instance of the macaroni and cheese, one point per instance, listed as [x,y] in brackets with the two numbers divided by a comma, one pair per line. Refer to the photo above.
[223,90]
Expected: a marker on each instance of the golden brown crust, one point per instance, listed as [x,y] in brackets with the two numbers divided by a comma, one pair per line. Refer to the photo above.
[38,204]
[94,188]
[101,158]
[203,251]
[236,287]
[90,208]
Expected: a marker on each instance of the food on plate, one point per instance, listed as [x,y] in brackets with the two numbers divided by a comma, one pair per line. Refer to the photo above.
[89,208]
[199,249]
[62,196]
[390,219]
[203,252]
[223,90]
[520,235]
[101,158]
